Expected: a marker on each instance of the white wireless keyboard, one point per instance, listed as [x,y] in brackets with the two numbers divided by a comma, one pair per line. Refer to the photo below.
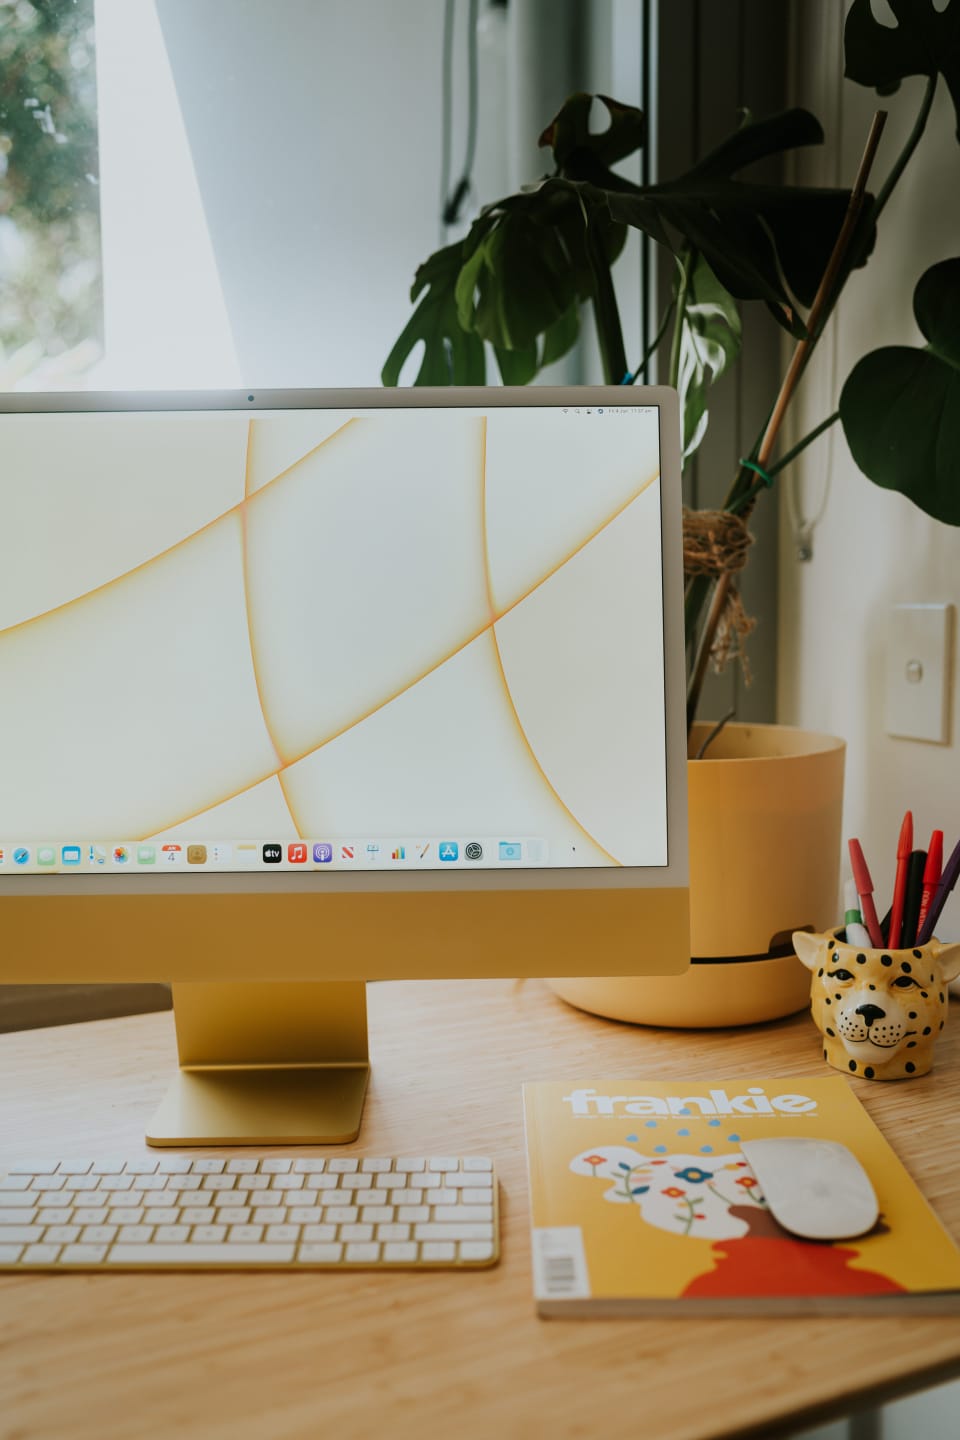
[200,1213]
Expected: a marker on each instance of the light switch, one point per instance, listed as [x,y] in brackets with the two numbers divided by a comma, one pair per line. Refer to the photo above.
[919,643]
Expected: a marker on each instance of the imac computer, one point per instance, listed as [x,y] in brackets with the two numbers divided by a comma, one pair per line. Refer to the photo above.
[300,690]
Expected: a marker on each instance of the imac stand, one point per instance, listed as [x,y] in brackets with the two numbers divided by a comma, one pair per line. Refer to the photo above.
[266,1064]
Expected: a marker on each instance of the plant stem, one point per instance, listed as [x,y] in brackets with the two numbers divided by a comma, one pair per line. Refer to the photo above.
[743,481]
[686,271]
[760,485]
[641,371]
[609,329]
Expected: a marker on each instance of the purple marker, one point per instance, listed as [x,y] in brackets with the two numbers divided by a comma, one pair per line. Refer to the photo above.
[947,881]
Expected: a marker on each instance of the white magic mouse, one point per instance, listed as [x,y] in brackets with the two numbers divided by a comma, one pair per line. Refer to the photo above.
[816,1189]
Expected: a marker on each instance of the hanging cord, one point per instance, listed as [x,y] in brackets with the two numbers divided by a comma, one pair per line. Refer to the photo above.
[451,201]
[802,527]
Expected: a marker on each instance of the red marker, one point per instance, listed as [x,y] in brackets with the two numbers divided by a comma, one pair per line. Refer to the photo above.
[864,884]
[904,846]
[931,875]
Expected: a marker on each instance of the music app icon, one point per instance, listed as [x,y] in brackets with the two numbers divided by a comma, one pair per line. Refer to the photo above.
[297,853]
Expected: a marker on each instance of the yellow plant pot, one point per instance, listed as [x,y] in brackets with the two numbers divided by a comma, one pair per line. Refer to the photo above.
[765,811]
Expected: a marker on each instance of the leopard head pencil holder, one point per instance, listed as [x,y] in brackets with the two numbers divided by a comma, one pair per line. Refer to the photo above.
[879,1011]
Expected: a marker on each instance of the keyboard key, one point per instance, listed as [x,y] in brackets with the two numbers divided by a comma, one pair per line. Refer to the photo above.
[276,1167]
[287,1182]
[303,1214]
[432,1231]
[48,1183]
[174,1165]
[40,1254]
[116,1182]
[34,1167]
[107,1167]
[440,1197]
[145,1256]
[149,1182]
[219,1182]
[283,1232]
[132,1215]
[344,1165]
[413,1213]
[60,1234]
[98,1234]
[51,1199]
[356,1232]
[467,1181]
[476,1250]
[411,1164]
[82,1254]
[163,1199]
[437,1250]
[444,1162]
[319,1232]
[134,1234]
[377,1214]
[55,1215]
[247,1234]
[363,1254]
[9,1254]
[401,1253]
[374,1166]
[322,1182]
[82,1182]
[456,1213]
[208,1234]
[15,1182]
[170,1234]
[477,1163]
[20,1234]
[146,1166]
[242,1167]
[161,1217]
[393,1232]
[209,1167]
[341,1214]
[191,1215]
[234,1215]
[321,1254]
[183,1183]
[74,1167]
[90,1216]
[309,1167]
[476,1197]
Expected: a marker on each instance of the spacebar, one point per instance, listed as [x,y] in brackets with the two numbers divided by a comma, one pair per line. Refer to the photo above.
[221,1254]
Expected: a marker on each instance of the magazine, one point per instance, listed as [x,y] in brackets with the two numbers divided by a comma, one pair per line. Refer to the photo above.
[642,1203]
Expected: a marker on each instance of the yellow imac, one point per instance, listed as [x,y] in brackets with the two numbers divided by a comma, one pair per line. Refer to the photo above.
[304,689]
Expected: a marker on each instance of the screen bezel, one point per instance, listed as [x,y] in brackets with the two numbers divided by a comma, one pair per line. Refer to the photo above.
[526,878]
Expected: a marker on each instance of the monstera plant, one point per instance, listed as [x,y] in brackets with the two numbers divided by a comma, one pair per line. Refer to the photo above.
[515,285]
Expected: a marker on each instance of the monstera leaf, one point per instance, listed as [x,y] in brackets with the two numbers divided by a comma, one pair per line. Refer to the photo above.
[451,354]
[709,342]
[518,278]
[924,41]
[900,407]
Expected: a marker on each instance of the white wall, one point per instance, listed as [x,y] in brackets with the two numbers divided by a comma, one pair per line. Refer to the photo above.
[873,549]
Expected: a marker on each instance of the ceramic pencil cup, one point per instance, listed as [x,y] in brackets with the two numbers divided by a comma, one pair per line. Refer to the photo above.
[880,1012]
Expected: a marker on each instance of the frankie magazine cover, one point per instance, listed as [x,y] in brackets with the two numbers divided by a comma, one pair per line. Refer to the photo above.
[643,1203]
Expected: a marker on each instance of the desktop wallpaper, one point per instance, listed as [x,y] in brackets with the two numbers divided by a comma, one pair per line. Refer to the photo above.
[373,632]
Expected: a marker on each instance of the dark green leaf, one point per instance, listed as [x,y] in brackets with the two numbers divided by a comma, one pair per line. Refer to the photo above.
[517,367]
[758,140]
[451,355]
[561,337]
[709,342]
[900,410]
[936,304]
[923,42]
[579,152]
[900,407]
[523,282]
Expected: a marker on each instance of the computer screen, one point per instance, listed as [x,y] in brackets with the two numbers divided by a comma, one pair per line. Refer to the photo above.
[340,644]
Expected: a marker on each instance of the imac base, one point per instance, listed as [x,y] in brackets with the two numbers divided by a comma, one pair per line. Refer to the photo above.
[266,1064]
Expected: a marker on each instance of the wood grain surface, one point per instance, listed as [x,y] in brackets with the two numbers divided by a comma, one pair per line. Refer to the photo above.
[272,1356]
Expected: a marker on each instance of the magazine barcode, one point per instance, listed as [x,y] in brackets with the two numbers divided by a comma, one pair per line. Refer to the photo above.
[559,1263]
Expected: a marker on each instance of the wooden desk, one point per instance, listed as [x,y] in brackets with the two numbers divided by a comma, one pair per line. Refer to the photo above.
[266,1357]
